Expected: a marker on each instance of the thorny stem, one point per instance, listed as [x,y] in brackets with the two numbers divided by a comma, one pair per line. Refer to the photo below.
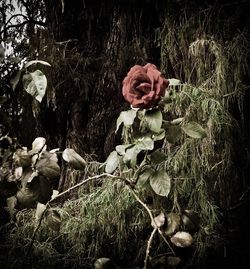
[150,240]
[155,225]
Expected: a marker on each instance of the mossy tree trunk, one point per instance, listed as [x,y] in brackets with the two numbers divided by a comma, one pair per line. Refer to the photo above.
[91,46]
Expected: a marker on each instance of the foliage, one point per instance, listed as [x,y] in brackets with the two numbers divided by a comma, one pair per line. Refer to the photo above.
[161,174]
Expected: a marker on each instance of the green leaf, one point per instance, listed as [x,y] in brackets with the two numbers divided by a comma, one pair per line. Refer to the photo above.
[130,156]
[159,136]
[27,197]
[112,162]
[54,194]
[153,119]
[160,183]
[35,62]
[40,208]
[53,220]
[194,130]
[38,145]
[177,121]
[126,117]
[143,180]
[121,149]
[35,84]
[157,157]
[47,165]
[158,221]
[22,158]
[74,159]
[104,263]
[173,223]
[145,143]
[182,239]
[173,133]
[174,82]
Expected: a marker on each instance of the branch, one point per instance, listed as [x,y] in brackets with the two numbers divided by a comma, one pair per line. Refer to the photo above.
[22,24]
[55,198]
[145,206]
[80,184]
[15,15]
[153,222]
[150,240]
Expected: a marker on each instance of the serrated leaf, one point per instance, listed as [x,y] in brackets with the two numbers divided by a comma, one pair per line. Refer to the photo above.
[112,162]
[173,223]
[35,62]
[40,208]
[177,121]
[47,165]
[157,157]
[153,118]
[53,219]
[194,130]
[126,117]
[130,156]
[121,149]
[144,143]
[174,82]
[173,134]
[182,239]
[143,180]
[35,84]
[74,159]
[158,221]
[160,183]
[159,136]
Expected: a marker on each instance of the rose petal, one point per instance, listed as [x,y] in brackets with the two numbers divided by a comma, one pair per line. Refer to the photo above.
[148,96]
[144,87]
[149,65]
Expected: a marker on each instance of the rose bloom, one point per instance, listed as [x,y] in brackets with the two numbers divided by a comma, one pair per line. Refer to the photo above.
[144,86]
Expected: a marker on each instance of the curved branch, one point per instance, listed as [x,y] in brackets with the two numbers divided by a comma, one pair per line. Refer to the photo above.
[14,16]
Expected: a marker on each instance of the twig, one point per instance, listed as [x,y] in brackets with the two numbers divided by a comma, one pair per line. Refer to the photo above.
[80,184]
[55,198]
[148,248]
[166,241]
[153,221]
[145,206]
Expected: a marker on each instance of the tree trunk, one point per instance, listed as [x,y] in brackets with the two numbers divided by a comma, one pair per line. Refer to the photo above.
[92,45]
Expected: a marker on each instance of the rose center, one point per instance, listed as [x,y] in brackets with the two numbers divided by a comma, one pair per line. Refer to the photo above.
[144,88]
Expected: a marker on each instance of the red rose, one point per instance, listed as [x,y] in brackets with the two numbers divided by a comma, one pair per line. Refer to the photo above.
[144,86]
